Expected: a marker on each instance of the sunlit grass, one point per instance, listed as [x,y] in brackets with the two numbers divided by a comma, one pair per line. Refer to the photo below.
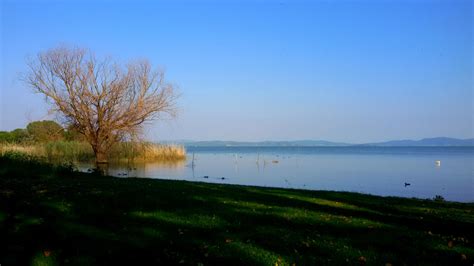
[249,252]
[447,210]
[193,220]
[303,215]
[319,201]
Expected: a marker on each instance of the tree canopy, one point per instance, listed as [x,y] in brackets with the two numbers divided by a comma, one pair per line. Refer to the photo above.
[44,131]
[101,99]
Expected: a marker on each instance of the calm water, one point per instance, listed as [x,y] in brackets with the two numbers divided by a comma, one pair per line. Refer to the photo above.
[374,170]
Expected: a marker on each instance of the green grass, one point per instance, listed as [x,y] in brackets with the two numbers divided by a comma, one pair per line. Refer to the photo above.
[50,215]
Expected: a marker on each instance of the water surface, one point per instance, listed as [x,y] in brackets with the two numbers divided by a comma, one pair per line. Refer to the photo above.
[374,170]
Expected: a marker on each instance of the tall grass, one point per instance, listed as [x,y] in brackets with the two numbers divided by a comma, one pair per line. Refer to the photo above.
[147,152]
[68,150]
[73,151]
[35,150]
[16,163]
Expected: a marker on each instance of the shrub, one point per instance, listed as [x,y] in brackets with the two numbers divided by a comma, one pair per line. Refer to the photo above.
[44,131]
[439,198]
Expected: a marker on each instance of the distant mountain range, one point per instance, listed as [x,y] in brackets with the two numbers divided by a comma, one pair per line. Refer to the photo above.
[441,141]
[264,143]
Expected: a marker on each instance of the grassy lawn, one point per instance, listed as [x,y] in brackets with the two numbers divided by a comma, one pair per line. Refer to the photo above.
[51,216]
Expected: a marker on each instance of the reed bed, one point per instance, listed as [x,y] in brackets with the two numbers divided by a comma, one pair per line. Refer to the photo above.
[74,151]
[146,151]
[33,150]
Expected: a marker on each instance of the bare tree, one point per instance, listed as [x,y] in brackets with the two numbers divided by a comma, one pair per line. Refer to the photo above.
[102,100]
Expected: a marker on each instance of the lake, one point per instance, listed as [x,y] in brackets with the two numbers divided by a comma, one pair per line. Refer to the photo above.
[374,170]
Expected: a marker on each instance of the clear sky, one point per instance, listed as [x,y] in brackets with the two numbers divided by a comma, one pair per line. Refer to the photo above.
[354,71]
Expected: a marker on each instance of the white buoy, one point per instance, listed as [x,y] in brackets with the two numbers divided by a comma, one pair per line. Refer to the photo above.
[438,163]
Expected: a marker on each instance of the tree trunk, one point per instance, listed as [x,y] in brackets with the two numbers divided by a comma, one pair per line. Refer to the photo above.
[101,157]
[101,161]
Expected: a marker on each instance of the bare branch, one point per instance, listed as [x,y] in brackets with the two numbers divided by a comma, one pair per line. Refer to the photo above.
[100,99]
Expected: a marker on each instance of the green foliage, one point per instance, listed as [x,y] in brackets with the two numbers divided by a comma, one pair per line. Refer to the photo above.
[5,137]
[48,139]
[18,135]
[44,131]
[40,131]
[73,135]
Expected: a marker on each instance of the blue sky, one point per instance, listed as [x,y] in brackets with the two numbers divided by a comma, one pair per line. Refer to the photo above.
[355,71]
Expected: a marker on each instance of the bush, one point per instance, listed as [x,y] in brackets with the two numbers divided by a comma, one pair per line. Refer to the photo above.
[439,198]
[44,131]
[18,135]
[5,137]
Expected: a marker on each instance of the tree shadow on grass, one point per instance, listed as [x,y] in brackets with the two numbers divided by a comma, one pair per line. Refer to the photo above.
[132,221]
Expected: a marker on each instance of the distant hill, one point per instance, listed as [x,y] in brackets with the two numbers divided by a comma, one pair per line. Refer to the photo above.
[441,141]
[306,143]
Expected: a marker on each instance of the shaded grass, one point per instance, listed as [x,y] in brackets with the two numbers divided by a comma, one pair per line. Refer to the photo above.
[52,217]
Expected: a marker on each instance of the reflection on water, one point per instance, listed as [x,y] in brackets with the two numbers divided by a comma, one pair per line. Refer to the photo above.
[448,172]
[139,168]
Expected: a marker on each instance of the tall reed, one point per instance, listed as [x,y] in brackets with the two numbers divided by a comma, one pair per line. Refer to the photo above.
[74,151]
[148,152]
